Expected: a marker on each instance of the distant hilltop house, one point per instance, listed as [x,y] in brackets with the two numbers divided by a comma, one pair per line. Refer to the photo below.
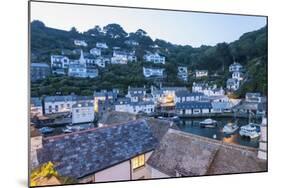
[80,69]
[182,73]
[153,72]
[39,71]
[95,51]
[201,73]
[122,57]
[154,57]
[101,45]
[80,43]
[83,112]
[59,104]
[237,77]
[235,67]
[131,43]
[207,90]
[59,62]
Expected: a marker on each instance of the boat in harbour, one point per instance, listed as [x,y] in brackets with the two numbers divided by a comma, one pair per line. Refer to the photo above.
[210,123]
[230,128]
[46,130]
[67,130]
[249,130]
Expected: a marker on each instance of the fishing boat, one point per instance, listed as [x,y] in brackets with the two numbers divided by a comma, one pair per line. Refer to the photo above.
[230,128]
[210,123]
[46,130]
[249,130]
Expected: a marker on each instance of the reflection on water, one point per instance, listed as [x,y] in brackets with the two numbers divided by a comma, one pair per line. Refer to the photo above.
[192,125]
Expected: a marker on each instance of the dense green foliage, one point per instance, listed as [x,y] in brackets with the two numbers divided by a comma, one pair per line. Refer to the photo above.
[250,50]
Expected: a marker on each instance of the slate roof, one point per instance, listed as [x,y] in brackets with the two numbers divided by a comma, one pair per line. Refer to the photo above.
[84,153]
[192,155]
[193,104]
[188,94]
[57,98]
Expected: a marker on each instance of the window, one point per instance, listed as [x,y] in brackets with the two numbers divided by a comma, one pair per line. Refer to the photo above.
[138,161]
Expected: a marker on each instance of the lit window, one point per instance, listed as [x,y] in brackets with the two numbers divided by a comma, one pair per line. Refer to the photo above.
[138,161]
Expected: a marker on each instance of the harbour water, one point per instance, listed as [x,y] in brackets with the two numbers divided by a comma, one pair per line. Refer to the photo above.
[192,125]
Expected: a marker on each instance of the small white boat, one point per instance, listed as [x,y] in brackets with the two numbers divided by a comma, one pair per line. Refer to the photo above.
[214,136]
[230,128]
[208,123]
[67,130]
[249,130]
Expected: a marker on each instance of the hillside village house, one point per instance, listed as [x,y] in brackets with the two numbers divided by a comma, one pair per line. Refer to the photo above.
[80,69]
[103,100]
[193,107]
[95,51]
[36,108]
[235,67]
[136,94]
[155,58]
[201,73]
[237,75]
[232,84]
[131,43]
[254,104]
[83,112]
[153,72]
[59,62]
[122,57]
[126,105]
[39,71]
[58,104]
[182,73]
[80,43]
[183,96]
[101,45]
[207,90]
[100,61]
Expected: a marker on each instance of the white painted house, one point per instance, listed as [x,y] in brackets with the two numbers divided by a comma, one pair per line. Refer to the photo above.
[79,69]
[238,75]
[201,73]
[182,73]
[207,90]
[101,45]
[155,58]
[83,112]
[153,72]
[95,51]
[135,107]
[235,67]
[80,43]
[232,84]
[59,62]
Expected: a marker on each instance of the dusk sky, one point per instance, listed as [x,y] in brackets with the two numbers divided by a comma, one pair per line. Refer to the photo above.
[190,28]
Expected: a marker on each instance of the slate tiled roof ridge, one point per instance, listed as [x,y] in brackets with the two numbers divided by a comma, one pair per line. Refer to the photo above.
[213,141]
[89,130]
